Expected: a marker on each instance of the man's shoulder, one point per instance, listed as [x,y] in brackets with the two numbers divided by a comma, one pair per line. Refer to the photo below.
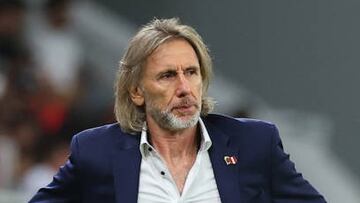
[251,132]
[103,133]
[228,121]
[100,130]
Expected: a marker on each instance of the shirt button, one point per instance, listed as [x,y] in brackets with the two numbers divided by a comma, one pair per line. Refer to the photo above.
[162,173]
[150,149]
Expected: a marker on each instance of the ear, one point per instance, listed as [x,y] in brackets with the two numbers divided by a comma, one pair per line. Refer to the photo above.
[137,96]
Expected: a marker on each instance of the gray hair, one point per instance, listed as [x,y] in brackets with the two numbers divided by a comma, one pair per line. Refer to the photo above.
[130,116]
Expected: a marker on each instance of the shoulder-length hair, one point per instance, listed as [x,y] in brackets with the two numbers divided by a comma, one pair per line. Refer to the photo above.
[130,116]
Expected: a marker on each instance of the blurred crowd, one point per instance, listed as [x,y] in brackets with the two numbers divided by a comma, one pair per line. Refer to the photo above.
[45,85]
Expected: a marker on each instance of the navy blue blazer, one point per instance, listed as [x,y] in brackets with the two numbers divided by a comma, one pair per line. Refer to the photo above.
[105,162]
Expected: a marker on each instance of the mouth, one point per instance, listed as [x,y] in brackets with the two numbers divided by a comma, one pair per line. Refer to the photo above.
[185,107]
[184,110]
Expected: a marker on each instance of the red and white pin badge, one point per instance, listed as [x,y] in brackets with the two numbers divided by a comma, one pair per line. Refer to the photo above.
[230,160]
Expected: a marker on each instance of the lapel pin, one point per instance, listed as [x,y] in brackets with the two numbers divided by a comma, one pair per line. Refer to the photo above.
[230,160]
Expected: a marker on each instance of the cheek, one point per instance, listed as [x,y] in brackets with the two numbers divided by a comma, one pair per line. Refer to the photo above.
[199,89]
[158,98]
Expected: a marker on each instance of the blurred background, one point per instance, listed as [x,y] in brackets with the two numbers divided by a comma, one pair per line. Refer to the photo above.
[294,63]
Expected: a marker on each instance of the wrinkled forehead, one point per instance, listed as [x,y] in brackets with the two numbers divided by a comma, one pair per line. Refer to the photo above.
[173,52]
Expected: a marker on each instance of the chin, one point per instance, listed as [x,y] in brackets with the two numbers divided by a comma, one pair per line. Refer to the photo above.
[183,122]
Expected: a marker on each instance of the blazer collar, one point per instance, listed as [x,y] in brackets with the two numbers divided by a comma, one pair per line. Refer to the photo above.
[126,167]
[226,176]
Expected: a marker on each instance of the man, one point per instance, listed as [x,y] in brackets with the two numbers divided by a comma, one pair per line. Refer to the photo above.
[166,147]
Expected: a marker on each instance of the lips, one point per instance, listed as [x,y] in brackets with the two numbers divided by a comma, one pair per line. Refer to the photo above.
[185,109]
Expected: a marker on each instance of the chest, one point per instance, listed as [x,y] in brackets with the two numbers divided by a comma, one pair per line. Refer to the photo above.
[158,184]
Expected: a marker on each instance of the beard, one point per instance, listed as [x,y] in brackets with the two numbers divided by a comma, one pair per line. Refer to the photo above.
[168,120]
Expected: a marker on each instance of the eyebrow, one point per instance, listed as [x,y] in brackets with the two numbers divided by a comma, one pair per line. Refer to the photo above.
[171,69]
[188,67]
[192,66]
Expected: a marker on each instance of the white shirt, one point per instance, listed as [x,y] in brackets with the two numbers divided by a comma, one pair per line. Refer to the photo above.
[157,185]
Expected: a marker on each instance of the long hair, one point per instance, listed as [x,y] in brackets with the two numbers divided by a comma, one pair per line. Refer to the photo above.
[141,46]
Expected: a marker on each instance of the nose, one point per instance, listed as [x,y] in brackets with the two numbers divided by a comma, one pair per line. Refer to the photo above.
[183,86]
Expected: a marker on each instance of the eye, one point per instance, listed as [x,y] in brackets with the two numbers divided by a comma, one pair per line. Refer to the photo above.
[191,71]
[167,75]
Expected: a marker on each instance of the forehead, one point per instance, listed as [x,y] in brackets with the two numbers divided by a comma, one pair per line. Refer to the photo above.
[175,53]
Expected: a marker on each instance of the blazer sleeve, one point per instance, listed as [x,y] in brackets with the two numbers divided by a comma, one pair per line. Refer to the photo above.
[287,184]
[65,186]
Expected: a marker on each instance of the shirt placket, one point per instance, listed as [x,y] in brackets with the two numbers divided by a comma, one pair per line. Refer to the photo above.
[164,176]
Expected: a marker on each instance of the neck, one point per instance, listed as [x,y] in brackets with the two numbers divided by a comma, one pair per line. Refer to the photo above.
[174,145]
[177,148]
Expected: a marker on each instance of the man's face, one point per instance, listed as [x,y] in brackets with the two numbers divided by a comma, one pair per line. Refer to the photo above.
[171,86]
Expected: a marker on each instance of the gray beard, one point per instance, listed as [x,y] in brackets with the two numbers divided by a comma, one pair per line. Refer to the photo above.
[169,121]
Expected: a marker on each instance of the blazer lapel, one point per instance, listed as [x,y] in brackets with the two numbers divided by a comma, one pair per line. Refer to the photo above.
[226,176]
[126,168]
